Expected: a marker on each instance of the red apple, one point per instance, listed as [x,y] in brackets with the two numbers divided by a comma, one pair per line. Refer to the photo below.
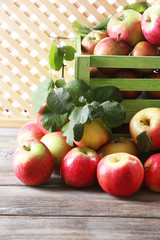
[128,73]
[120,174]
[151,24]
[94,135]
[78,168]
[90,41]
[29,130]
[111,46]
[119,144]
[147,119]
[144,48]
[97,73]
[58,147]
[39,114]
[152,173]
[128,24]
[32,162]
[154,94]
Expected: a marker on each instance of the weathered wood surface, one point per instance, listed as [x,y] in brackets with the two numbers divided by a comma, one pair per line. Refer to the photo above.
[55,211]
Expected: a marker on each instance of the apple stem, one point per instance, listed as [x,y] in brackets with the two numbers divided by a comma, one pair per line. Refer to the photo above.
[27,148]
[145,122]
[118,37]
[147,168]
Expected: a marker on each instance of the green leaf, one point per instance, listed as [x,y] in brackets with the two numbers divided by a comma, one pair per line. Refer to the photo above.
[138,6]
[144,142]
[114,114]
[40,94]
[78,88]
[80,28]
[53,121]
[80,115]
[59,101]
[78,132]
[67,131]
[69,52]
[102,94]
[97,110]
[102,25]
[56,56]
[60,83]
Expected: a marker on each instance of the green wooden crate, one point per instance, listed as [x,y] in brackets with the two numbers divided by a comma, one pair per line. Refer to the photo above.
[82,71]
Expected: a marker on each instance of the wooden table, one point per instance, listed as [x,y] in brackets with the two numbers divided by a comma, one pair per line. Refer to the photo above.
[55,211]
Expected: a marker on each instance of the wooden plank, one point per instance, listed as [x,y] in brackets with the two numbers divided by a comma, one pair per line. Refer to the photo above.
[22,228]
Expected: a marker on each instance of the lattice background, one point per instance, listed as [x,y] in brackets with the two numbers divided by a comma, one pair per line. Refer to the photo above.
[27,29]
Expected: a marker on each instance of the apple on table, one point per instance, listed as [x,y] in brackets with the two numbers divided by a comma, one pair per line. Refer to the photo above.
[32,162]
[120,174]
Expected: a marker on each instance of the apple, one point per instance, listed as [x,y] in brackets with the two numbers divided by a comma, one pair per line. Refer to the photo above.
[145,48]
[32,162]
[29,130]
[151,24]
[78,168]
[111,46]
[119,144]
[94,135]
[154,94]
[38,118]
[147,119]
[152,172]
[97,73]
[128,24]
[120,174]
[90,41]
[128,73]
[58,147]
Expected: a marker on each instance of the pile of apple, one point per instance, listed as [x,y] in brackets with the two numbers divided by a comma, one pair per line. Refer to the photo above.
[128,33]
[114,162]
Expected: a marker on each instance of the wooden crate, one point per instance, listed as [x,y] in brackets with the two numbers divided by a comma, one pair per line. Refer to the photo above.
[82,71]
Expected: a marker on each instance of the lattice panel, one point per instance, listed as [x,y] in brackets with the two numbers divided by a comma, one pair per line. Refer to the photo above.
[27,29]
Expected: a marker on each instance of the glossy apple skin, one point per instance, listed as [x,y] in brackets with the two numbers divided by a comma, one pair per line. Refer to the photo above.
[78,168]
[154,94]
[145,48]
[125,73]
[32,163]
[151,24]
[128,24]
[90,41]
[119,144]
[147,119]
[38,118]
[58,147]
[29,130]
[152,172]
[120,174]
[94,135]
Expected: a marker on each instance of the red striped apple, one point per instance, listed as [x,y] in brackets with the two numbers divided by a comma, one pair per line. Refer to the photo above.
[120,174]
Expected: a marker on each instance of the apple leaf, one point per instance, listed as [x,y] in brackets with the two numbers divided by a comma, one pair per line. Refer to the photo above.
[102,94]
[56,56]
[80,28]
[102,25]
[144,142]
[78,132]
[67,131]
[96,110]
[40,94]
[114,113]
[59,101]
[80,114]
[69,53]
[138,6]
[78,88]
[53,121]
[60,83]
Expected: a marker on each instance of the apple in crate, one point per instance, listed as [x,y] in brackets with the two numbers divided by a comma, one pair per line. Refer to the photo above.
[152,172]
[58,147]
[78,168]
[94,135]
[146,120]
[128,24]
[120,174]
[128,73]
[90,41]
[154,94]
[151,24]
[29,130]
[119,144]
[32,162]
